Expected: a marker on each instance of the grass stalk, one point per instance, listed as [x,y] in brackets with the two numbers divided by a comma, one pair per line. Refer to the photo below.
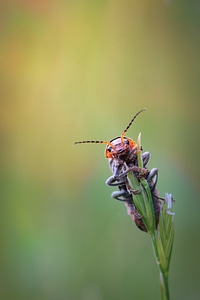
[161,237]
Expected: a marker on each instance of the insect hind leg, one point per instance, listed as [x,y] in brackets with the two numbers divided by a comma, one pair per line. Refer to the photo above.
[122,195]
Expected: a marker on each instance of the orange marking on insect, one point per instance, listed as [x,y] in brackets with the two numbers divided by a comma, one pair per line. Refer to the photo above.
[110,148]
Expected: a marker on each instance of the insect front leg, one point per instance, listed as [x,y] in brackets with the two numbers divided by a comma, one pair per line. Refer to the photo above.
[135,169]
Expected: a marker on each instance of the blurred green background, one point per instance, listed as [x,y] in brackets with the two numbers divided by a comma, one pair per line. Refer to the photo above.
[74,70]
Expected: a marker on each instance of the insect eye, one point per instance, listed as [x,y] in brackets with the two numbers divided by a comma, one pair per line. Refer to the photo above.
[109,148]
[126,142]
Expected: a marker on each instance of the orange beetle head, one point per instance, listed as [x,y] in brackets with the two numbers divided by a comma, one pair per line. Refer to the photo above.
[120,147]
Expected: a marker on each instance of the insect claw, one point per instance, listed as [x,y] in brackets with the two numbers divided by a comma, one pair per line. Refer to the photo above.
[134,192]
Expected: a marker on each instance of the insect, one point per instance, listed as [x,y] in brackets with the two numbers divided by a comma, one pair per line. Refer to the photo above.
[121,153]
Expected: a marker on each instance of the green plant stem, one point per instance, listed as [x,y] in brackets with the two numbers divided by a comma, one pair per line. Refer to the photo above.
[163,278]
[143,202]
[162,236]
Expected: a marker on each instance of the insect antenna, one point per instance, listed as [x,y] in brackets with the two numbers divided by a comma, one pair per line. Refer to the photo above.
[94,142]
[129,125]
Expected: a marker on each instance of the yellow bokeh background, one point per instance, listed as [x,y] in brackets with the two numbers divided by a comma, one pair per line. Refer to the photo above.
[76,70]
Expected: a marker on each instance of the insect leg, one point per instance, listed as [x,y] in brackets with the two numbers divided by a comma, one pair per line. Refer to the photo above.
[135,169]
[114,181]
[145,158]
[153,178]
[122,195]
[126,197]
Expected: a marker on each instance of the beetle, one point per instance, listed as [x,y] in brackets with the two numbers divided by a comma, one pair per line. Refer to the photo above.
[121,153]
